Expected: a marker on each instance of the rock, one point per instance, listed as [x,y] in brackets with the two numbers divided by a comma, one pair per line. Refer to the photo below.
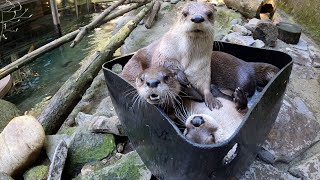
[120,147]
[21,142]
[68,131]
[241,30]
[59,159]
[37,173]
[217,2]
[237,38]
[97,165]
[281,46]
[234,22]
[252,8]
[259,170]
[52,142]
[82,118]
[102,124]
[129,166]
[300,57]
[117,68]
[252,24]
[314,54]
[295,130]
[258,43]
[266,32]
[87,147]
[4,176]
[302,45]
[7,112]
[90,100]
[307,169]
[105,108]
[174,1]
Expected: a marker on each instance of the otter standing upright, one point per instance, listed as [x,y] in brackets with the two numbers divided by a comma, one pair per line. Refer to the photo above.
[188,46]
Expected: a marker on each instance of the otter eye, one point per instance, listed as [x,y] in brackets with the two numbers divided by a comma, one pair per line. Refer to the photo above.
[209,14]
[185,13]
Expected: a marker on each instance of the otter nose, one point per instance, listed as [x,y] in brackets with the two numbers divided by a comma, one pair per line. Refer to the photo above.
[197,121]
[197,19]
[153,83]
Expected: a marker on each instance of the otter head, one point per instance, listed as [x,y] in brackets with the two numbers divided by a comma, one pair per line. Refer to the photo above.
[203,129]
[157,85]
[197,19]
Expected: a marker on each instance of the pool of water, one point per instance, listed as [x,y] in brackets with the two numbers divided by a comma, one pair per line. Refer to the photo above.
[51,70]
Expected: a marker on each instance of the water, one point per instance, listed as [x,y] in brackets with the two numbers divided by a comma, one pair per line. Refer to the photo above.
[51,70]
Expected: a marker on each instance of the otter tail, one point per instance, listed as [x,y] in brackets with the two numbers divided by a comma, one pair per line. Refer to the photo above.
[264,73]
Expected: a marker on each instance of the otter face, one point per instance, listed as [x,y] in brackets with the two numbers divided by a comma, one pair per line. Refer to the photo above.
[202,129]
[157,85]
[197,18]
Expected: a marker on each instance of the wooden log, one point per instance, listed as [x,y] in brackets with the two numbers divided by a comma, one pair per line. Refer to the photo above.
[69,94]
[28,58]
[84,30]
[153,15]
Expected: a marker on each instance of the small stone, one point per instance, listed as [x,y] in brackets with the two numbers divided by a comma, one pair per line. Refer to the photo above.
[234,22]
[266,32]
[307,169]
[314,54]
[258,43]
[36,173]
[87,147]
[241,30]
[120,147]
[102,124]
[130,166]
[295,130]
[259,170]
[117,68]
[141,22]
[52,142]
[302,45]
[82,118]
[105,108]
[237,38]
[300,57]
[217,2]
[252,24]
[174,1]
[59,159]
[21,142]
[4,176]
[316,65]
[7,112]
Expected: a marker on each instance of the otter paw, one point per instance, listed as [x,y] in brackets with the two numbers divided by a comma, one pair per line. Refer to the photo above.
[240,98]
[212,102]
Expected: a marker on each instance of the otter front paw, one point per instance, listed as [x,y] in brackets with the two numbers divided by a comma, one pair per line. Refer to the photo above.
[212,102]
[240,99]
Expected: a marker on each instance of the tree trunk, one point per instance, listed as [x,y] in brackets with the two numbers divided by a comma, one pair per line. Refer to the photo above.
[70,93]
[153,14]
[30,57]
[84,30]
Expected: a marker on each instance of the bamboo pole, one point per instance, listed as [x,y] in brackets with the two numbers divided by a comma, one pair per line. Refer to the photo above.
[28,58]
[55,17]
[62,103]
[85,29]
[153,14]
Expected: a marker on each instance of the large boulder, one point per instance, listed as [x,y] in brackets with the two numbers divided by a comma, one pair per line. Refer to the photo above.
[130,166]
[87,147]
[7,112]
[37,173]
[252,8]
[21,142]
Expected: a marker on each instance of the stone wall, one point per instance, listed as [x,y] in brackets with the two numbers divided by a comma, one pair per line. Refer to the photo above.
[306,12]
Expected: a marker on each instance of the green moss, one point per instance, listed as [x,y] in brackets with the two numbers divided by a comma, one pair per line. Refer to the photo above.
[129,166]
[68,131]
[307,15]
[37,173]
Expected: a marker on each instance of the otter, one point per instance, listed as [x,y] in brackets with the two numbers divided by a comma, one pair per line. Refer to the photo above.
[187,46]
[205,126]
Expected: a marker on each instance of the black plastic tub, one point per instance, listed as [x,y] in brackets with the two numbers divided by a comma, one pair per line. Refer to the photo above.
[164,149]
